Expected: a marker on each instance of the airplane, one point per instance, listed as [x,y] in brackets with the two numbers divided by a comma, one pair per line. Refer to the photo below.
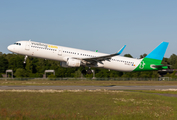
[71,57]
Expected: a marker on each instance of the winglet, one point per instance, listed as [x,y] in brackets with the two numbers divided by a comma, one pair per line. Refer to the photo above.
[121,50]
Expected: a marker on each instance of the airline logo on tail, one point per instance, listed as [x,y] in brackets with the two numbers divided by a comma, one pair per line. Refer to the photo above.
[141,65]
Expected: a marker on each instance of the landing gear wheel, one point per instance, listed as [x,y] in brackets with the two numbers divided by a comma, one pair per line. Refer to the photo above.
[84,72]
[89,71]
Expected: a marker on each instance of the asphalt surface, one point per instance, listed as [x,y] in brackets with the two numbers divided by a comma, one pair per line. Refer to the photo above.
[86,87]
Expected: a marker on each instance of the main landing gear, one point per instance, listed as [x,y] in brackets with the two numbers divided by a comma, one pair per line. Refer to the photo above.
[89,71]
[84,72]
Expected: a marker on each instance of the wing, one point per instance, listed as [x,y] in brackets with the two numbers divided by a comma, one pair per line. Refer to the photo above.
[102,58]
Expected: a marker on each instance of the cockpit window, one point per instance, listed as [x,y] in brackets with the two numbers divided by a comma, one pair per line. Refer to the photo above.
[17,43]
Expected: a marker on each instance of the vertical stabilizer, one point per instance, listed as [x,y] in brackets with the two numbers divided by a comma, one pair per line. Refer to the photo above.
[153,60]
[159,52]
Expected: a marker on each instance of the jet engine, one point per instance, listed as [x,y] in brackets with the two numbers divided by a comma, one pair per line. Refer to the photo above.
[71,63]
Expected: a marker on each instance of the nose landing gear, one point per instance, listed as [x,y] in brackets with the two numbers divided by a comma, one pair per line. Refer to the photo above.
[25,59]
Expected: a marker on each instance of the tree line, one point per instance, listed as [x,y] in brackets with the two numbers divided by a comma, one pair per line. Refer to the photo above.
[35,67]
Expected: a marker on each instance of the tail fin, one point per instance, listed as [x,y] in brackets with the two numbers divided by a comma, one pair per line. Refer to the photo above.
[159,52]
[153,60]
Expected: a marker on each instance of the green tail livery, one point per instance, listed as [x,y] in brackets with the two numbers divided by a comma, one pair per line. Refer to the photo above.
[153,60]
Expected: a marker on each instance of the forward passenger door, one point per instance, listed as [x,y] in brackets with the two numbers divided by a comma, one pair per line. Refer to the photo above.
[27,47]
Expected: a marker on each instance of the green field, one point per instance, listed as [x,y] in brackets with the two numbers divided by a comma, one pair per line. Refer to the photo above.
[86,105]
[82,82]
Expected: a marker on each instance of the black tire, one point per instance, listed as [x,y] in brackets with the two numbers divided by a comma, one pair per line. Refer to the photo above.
[89,71]
[84,72]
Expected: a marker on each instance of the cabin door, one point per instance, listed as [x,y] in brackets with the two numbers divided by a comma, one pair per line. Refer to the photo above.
[60,50]
[27,47]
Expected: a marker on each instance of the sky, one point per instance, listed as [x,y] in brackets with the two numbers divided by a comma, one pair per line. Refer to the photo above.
[103,25]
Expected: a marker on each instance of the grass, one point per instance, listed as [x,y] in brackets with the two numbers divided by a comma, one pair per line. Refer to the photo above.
[83,83]
[86,105]
[165,91]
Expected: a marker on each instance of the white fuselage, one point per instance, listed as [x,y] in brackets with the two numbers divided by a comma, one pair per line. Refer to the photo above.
[60,53]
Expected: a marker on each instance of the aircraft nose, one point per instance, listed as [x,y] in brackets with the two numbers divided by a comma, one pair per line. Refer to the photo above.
[10,48]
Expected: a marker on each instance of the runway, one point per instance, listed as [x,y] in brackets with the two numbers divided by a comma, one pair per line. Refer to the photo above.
[86,87]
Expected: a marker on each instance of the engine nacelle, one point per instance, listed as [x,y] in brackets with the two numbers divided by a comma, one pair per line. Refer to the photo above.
[73,62]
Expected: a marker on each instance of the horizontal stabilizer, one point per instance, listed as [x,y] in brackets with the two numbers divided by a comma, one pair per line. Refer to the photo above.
[158,66]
